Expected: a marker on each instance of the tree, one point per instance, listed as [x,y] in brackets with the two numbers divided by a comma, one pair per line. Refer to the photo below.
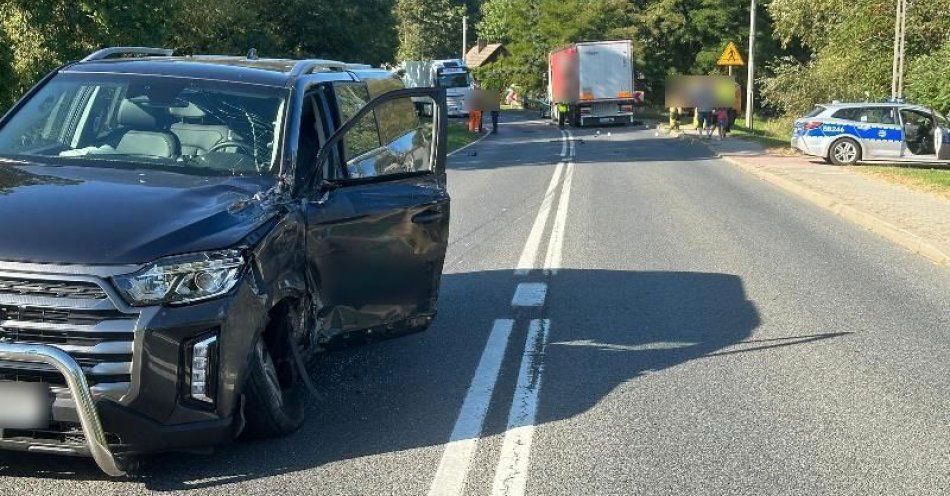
[928,79]
[531,29]
[497,20]
[42,34]
[38,35]
[829,31]
[429,29]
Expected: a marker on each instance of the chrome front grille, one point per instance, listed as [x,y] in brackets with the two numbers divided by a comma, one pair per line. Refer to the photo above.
[77,317]
[52,289]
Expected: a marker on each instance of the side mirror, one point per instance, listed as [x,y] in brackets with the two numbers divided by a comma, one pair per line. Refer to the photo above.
[326,186]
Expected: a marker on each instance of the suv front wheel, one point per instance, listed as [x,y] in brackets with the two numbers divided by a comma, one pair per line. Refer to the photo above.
[845,151]
[274,394]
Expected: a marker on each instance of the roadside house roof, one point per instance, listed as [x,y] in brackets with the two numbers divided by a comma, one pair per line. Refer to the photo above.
[477,57]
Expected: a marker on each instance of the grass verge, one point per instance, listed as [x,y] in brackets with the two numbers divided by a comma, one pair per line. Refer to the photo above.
[770,133]
[457,130]
[935,180]
[459,136]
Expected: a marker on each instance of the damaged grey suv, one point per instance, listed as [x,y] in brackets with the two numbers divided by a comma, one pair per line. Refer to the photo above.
[179,236]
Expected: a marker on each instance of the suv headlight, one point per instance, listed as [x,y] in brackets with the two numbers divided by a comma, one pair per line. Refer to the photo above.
[182,279]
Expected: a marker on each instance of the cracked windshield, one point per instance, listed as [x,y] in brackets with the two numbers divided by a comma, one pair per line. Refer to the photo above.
[149,121]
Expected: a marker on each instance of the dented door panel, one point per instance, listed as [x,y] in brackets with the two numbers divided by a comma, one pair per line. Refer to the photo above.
[378,251]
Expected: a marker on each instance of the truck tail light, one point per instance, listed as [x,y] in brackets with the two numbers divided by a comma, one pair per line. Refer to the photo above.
[201,368]
[812,125]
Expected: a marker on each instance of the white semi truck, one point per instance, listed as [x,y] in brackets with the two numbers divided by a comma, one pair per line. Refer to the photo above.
[595,80]
[451,74]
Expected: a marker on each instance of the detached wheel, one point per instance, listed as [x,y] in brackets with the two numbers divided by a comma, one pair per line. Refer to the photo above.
[274,393]
[845,151]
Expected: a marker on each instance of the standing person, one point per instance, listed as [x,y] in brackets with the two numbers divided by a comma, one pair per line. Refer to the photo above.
[475,104]
[733,114]
[705,120]
[704,110]
[493,101]
[722,121]
[562,110]
[475,121]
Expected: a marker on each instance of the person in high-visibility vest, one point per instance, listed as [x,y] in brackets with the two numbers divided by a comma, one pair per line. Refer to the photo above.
[475,121]
[562,111]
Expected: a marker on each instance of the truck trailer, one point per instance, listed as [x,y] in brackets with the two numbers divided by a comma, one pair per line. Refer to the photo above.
[596,82]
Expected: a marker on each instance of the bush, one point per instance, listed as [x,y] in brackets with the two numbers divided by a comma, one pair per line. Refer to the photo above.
[927,80]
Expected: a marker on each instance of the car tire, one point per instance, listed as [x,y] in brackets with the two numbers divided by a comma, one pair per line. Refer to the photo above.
[274,392]
[844,151]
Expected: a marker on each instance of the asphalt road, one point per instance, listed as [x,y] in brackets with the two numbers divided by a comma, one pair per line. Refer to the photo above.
[621,314]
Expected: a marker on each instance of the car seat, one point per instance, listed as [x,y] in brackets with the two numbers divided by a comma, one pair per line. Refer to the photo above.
[196,137]
[143,135]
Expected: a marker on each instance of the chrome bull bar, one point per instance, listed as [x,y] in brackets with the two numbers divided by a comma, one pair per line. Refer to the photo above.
[82,396]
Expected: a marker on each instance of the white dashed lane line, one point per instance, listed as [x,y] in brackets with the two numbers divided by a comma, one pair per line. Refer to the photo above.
[529,254]
[511,473]
[553,261]
[530,294]
[450,476]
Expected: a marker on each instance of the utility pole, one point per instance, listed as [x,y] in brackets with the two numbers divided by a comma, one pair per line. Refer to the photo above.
[464,36]
[751,79]
[897,38]
[900,35]
[900,69]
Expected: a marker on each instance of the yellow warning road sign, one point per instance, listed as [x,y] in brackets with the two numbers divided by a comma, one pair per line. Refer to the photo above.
[730,56]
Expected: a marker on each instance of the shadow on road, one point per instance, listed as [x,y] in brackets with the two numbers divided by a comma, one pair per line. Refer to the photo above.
[608,328]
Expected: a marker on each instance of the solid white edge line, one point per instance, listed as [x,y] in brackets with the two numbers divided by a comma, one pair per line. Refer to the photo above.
[453,468]
[511,475]
[479,140]
[552,261]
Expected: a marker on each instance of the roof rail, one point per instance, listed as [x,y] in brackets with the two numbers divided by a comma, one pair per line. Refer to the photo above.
[113,51]
[308,66]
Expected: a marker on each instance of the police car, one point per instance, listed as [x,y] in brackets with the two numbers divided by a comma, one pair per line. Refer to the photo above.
[846,133]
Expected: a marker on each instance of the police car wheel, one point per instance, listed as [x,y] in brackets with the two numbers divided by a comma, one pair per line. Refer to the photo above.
[845,151]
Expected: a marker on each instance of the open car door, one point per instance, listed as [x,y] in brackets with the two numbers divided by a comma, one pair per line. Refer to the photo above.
[378,213]
[942,140]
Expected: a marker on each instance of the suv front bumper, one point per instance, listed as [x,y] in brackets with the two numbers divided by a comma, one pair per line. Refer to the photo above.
[81,394]
[146,409]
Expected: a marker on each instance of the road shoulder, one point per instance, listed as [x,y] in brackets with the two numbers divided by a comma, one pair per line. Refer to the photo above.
[915,220]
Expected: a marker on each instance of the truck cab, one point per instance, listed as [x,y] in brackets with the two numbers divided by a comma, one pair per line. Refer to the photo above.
[451,75]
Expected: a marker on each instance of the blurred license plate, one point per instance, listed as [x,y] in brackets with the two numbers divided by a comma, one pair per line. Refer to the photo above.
[24,405]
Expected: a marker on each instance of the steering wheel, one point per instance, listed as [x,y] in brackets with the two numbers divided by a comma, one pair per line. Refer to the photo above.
[242,148]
